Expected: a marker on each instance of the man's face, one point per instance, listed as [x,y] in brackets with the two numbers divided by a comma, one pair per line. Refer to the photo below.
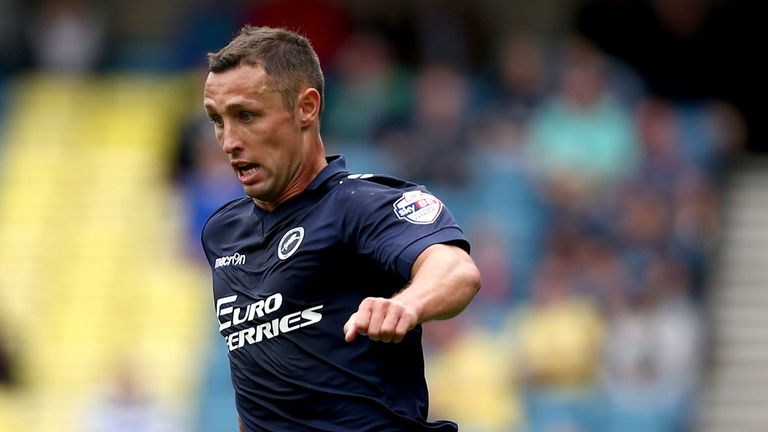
[255,129]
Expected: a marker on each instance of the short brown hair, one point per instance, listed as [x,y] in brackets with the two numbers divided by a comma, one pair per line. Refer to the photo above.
[286,56]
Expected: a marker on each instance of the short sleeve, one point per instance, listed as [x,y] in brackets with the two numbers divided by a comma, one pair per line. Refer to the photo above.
[393,226]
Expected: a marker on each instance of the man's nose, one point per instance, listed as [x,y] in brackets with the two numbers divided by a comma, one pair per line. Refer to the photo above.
[231,141]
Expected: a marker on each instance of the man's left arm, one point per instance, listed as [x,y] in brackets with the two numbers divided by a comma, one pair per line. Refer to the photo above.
[444,279]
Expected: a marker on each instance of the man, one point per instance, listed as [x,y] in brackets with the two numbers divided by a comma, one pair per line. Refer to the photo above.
[321,279]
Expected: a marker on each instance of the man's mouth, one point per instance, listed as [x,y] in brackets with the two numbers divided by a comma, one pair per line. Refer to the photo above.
[246,171]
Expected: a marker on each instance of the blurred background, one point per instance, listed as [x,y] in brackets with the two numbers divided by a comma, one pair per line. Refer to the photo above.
[604,157]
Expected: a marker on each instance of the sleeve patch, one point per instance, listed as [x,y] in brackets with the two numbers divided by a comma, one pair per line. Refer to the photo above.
[418,207]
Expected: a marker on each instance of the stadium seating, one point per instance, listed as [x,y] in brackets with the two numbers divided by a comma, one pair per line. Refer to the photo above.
[91,271]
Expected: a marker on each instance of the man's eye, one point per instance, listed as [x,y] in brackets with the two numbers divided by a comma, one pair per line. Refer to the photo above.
[216,120]
[246,116]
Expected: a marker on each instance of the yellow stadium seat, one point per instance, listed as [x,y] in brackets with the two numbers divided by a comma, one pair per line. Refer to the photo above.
[90,266]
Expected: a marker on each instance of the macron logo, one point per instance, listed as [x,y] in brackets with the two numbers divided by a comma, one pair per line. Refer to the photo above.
[235,259]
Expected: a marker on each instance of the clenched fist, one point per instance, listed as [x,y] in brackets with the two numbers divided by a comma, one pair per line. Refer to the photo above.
[381,319]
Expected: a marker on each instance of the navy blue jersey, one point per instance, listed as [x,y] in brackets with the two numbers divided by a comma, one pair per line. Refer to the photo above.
[285,282]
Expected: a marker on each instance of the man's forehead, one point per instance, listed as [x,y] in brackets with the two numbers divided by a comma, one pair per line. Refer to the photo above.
[245,74]
[241,80]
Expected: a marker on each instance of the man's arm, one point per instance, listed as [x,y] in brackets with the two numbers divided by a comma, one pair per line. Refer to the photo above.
[444,279]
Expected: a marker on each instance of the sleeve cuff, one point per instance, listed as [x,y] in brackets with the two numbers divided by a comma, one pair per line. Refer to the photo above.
[408,256]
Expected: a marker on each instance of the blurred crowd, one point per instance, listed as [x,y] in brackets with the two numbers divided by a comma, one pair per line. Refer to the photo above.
[584,170]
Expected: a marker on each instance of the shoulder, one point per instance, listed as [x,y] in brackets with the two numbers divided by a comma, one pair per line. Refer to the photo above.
[366,196]
[231,210]
[358,192]
[353,184]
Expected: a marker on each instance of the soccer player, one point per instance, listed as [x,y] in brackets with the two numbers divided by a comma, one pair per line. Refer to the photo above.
[321,278]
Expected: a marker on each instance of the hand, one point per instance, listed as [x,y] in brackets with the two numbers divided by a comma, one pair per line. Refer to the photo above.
[381,319]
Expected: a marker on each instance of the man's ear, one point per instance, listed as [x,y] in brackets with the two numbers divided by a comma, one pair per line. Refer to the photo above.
[308,105]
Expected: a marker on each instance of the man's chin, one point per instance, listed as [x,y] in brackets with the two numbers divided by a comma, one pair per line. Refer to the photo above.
[252,194]
[258,196]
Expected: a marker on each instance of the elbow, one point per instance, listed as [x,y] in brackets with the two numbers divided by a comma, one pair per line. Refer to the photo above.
[471,280]
[470,283]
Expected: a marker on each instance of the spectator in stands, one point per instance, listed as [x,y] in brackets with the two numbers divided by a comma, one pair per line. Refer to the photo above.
[695,223]
[366,89]
[482,398]
[600,273]
[559,341]
[652,354]
[68,36]
[642,228]
[492,253]
[431,145]
[581,140]
[520,80]
[127,406]
[658,129]
[450,33]
[677,325]
[711,131]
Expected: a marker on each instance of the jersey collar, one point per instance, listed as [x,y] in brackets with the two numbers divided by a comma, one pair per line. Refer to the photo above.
[336,165]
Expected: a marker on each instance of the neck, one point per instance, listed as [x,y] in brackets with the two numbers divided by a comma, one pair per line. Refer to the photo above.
[305,173]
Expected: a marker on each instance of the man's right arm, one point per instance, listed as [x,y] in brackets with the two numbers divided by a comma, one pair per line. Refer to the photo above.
[444,280]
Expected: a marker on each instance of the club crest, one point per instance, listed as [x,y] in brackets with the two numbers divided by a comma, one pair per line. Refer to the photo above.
[290,242]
